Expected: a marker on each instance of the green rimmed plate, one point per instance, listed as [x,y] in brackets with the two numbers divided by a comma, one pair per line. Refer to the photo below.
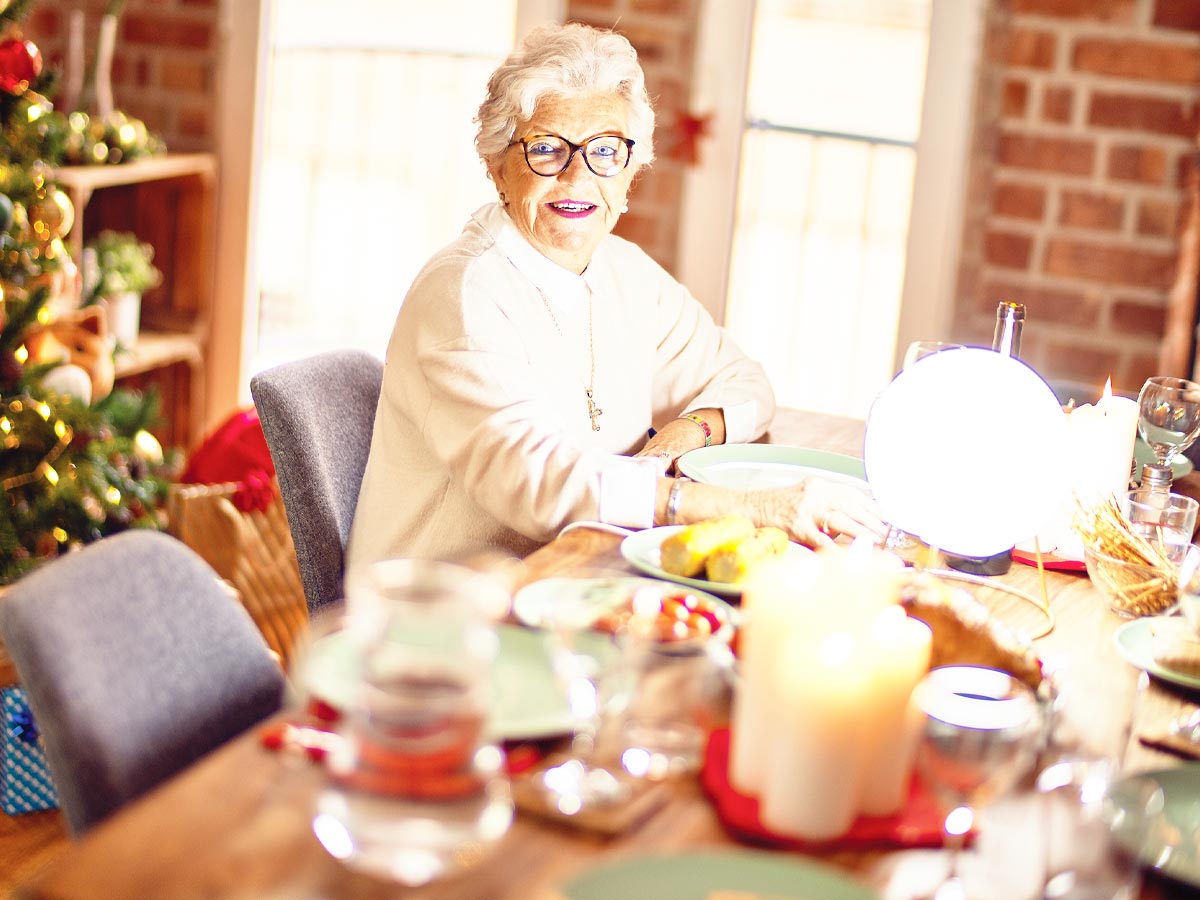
[1167,840]
[1134,643]
[528,700]
[696,876]
[761,466]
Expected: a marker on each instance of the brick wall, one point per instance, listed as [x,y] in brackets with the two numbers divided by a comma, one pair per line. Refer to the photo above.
[663,32]
[1087,121]
[164,65]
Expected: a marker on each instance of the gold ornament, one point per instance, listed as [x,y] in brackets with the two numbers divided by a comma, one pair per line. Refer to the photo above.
[52,215]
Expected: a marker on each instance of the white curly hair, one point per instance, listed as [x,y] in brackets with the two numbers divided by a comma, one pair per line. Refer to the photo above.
[564,61]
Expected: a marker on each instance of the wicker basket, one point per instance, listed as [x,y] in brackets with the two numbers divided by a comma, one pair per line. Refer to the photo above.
[251,550]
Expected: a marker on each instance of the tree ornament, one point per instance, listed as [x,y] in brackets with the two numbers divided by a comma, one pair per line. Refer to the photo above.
[20,63]
[52,215]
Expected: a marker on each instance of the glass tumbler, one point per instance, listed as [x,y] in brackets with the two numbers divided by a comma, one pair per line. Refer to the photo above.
[1164,519]
[415,788]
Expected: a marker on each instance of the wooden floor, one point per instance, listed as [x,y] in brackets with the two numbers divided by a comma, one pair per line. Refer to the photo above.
[29,843]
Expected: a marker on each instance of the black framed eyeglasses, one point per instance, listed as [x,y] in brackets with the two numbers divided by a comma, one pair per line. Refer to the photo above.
[548,154]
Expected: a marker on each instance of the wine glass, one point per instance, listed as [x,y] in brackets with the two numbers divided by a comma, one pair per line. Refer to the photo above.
[981,733]
[585,614]
[920,349]
[1168,417]
[897,539]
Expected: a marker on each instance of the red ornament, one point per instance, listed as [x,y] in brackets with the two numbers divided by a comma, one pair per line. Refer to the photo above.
[20,63]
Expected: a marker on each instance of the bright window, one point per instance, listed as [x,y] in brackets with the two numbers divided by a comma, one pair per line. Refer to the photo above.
[833,108]
[369,162]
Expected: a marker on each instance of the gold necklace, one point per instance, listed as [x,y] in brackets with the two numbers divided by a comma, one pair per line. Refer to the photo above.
[594,411]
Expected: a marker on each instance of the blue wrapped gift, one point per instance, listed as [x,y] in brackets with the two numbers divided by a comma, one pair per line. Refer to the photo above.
[25,784]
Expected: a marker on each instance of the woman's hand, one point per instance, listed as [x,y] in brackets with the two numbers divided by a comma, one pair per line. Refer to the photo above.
[679,436]
[815,511]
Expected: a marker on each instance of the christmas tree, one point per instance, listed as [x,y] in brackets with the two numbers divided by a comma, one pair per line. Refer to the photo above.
[77,460]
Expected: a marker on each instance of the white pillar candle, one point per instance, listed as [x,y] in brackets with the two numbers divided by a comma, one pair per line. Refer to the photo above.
[815,762]
[900,650]
[1100,441]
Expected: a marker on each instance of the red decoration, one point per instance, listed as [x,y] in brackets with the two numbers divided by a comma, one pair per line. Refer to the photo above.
[688,130]
[20,63]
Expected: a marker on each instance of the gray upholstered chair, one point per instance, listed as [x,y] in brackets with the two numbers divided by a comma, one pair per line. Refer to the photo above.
[137,661]
[317,415]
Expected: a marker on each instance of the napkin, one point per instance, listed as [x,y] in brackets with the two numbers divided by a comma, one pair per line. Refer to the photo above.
[919,824]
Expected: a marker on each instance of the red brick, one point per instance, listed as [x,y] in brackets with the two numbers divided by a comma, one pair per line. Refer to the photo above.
[1022,201]
[1137,112]
[1131,316]
[1043,303]
[1008,250]
[165,30]
[1141,366]
[1079,362]
[1101,10]
[1146,165]
[1084,209]
[1057,103]
[674,8]
[1183,14]
[179,75]
[1015,98]
[1157,218]
[1031,49]
[1068,155]
[1114,263]
[1159,62]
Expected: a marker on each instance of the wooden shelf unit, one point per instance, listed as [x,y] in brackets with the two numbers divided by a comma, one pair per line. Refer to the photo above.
[169,202]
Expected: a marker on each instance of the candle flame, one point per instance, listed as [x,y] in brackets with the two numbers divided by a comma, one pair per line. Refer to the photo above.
[1107,388]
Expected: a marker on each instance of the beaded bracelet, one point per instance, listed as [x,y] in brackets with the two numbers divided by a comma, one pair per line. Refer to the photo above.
[673,500]
[703,426]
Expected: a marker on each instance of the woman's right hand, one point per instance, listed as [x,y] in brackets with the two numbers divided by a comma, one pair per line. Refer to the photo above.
[817,510]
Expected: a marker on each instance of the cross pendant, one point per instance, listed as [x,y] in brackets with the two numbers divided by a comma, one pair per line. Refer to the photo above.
[594,412]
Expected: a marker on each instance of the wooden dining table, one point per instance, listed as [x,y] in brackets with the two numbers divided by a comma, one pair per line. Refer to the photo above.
[237,823]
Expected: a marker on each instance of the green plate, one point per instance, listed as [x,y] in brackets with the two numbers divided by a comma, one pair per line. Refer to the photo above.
[1134,643]
[1180,466]
[1171,842]
[643,551]
[759,466]
[528,701]
[695,876]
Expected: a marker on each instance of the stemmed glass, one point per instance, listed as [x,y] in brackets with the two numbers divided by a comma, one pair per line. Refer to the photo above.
[981,733]
[1169,418]
[920,349]
[898,540]
[582,613]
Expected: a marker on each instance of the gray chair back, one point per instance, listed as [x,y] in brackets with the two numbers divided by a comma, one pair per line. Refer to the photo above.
[137,661]
[317,415]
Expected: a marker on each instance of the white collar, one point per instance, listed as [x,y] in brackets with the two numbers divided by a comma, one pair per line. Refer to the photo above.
[547,276]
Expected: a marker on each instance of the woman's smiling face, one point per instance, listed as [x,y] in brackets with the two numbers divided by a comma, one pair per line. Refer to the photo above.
[565,216]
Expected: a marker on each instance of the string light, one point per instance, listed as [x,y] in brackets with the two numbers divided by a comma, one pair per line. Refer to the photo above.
[45,468]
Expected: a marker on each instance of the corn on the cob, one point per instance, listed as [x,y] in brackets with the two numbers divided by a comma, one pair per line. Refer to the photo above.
[733,563]
[685,552]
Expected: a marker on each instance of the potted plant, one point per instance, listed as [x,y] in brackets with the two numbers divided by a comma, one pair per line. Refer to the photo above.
[118,268]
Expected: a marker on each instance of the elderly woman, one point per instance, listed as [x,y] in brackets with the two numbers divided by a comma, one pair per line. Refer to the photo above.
[533,355]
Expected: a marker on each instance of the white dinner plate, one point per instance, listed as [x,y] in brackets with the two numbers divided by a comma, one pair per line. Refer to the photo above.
[699,875]
[643,551]
[528,701]
[1170,843]
[1134,643]
[760,466]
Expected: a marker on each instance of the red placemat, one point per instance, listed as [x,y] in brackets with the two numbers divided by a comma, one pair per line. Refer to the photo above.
[1050,561]
[919,824]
